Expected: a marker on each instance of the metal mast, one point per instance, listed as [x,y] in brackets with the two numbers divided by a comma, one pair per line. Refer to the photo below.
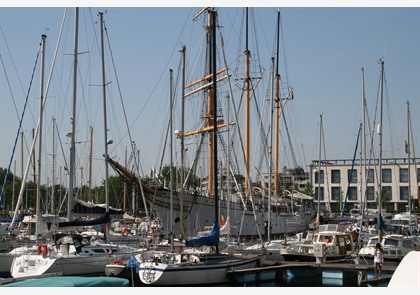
[70,194]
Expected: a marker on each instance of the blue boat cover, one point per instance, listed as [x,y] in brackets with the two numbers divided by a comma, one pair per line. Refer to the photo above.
[212,239]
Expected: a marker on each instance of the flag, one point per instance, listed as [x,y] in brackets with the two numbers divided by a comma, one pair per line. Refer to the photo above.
[406,147]
[133,262]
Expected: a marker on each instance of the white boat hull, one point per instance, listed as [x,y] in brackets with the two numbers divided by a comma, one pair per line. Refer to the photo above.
[36,265]
[199,273]
[199,213]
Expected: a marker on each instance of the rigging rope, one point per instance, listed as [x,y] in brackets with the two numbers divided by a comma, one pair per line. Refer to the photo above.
[18,131]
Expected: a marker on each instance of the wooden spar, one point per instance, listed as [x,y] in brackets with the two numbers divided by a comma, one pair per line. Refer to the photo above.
[279,111]
[203,130]
[205,78]
[206,85]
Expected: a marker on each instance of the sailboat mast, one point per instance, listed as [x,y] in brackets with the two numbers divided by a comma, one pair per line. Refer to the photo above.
[90,165]
[380,152]
[318,216]
[41,100]
[408,157]
[171,173]
[270,168]
[364,185]
[277,117]
[70,194]
[181,213]
[105,120]
[125,184]
[34,166]
[53,169]
[361,186]
[363,171]
[247,108]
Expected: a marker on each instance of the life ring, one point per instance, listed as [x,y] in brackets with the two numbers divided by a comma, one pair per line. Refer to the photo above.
[42,248]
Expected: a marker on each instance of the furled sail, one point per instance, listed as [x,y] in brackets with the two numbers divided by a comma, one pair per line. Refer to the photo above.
[212,239]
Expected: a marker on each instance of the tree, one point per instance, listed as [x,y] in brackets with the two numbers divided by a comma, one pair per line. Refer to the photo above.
[309,189]
[385,197]
[192,181]
[10,191]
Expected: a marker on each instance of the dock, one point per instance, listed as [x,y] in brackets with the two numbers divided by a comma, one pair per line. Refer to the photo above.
[279,270]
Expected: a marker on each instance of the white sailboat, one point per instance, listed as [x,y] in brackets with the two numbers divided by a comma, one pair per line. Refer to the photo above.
[165,268]
[70,256]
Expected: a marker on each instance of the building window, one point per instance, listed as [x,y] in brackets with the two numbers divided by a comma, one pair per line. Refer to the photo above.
[321,176]
[352,193]
[370,176]
[335,176]
[404,193]
[403,174]
[321,197]
[370,193]
[386,175]
[335,193]
[352,175]
[418,174]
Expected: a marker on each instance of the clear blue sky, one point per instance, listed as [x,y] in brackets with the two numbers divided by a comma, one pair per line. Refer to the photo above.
[322,52]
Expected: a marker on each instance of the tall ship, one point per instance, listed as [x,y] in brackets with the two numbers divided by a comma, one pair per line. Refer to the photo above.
[249,210]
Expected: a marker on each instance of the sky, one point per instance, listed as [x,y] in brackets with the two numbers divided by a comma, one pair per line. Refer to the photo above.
[323,50]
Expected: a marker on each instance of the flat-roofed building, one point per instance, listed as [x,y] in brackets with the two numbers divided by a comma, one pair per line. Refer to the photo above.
[342,182]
